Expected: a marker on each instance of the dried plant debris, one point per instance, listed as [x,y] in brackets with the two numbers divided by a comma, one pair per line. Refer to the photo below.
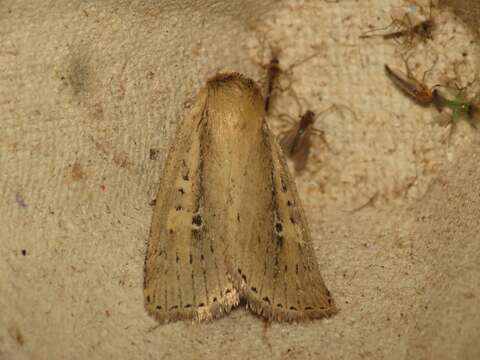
[228,224]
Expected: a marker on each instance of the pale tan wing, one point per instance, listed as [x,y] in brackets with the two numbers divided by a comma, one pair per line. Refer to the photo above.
[185,273]
[274,264]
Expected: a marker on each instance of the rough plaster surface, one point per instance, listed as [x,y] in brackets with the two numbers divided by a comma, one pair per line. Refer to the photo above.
[90,96]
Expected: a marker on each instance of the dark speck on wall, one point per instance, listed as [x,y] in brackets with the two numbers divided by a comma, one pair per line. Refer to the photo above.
[20,200]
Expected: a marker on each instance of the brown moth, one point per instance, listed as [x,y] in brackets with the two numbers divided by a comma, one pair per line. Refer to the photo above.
[228,225]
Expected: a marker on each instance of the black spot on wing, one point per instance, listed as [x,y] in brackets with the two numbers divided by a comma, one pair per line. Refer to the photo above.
[284,184]
[278,227]
[197,220]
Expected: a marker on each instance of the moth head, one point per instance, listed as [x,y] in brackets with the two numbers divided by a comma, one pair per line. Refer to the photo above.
[236,103]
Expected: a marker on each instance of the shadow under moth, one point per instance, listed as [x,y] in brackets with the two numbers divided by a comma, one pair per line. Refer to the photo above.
[228,226]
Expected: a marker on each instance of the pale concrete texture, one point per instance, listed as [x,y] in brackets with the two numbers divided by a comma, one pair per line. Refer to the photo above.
[90,97]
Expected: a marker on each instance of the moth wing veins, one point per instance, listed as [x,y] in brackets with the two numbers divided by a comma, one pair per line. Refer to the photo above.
[184,275]
[275,268]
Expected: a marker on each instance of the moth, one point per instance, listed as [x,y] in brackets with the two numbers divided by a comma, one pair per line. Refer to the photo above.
[296,142]
[228,226]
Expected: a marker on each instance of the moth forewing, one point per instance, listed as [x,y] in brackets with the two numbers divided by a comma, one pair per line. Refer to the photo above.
[284,283]
[228,222]
[185,271]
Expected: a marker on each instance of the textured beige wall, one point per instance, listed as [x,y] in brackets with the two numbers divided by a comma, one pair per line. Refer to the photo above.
[88,92]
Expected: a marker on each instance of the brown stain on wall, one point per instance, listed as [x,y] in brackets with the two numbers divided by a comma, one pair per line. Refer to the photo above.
[120,158]
[81,80]
[80,73]
[16,334]
[77,172]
